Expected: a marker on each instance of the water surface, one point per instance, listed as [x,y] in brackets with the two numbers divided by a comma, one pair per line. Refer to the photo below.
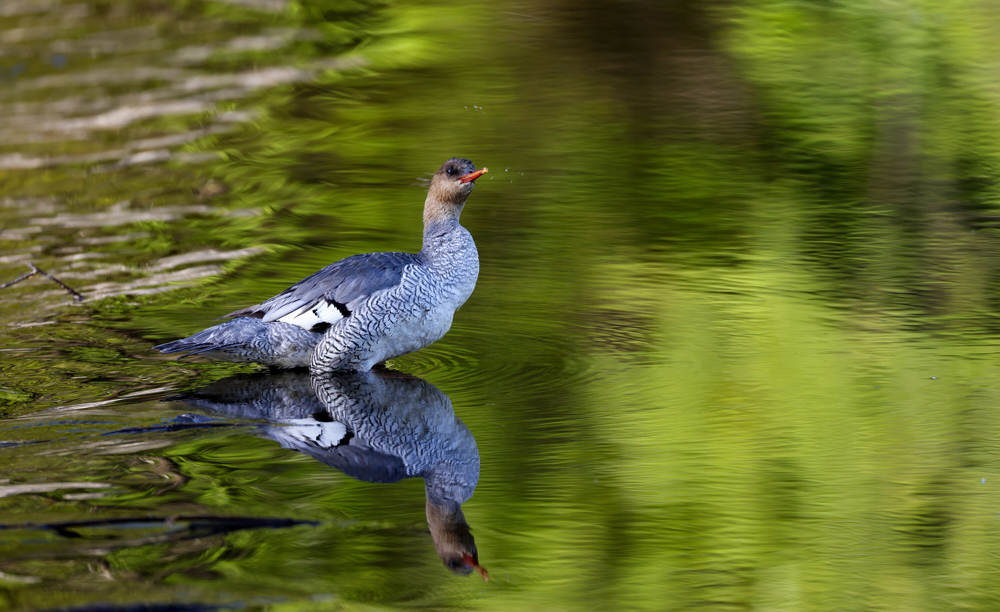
[734,344]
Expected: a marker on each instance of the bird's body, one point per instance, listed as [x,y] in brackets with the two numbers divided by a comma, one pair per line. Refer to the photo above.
[364,309]
[379,426]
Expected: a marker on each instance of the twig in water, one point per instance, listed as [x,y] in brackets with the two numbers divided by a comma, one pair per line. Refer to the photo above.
[36,270]
[77,296]
[18,279]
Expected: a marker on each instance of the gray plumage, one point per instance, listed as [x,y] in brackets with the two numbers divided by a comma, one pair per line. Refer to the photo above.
[377,427]
[411,419]
[400,426]
[364,309]
[280,345]
[346,282]
[274,396]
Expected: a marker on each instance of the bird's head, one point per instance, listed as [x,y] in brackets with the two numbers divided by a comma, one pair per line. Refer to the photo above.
[452,539]
[453,182]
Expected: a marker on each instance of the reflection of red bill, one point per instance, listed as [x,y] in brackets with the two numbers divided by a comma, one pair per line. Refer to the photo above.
[468,178]
[466,557]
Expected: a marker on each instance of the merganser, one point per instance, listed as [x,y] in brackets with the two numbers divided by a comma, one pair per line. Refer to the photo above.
[364,309]
[379,426]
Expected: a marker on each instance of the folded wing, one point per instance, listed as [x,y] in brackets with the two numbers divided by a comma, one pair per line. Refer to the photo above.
[333,293]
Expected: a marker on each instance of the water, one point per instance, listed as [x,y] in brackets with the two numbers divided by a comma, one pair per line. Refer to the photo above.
[734,343]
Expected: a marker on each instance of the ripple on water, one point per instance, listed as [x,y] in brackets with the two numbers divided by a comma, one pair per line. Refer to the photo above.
[462,366]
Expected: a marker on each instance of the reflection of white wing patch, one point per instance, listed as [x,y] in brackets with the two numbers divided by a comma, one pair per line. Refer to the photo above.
[307,318]
[295,433]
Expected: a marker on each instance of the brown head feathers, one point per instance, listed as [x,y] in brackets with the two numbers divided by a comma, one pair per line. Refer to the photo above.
[450,187]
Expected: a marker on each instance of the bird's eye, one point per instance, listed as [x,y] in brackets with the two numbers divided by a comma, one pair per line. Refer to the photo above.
[450,171]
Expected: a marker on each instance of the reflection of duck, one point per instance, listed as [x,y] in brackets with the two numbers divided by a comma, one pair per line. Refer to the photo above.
[365,309]
[376,427]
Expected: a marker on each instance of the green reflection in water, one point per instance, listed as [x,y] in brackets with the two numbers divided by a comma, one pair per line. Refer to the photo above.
[733,345]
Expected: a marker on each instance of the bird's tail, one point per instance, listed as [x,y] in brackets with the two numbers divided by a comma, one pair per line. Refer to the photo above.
[246,339]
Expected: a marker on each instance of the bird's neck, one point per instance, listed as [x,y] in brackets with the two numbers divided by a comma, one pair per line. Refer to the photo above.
[440,209]
[440,222]
[448,527]
[438,232]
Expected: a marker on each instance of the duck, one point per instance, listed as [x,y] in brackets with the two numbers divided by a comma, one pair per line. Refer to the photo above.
[365,309]
[379,426]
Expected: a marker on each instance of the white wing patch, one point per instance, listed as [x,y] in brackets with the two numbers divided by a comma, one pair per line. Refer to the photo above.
[307,317]
[294,433]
